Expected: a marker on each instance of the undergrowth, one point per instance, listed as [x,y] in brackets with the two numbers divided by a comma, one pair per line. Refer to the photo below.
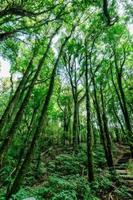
[65,178]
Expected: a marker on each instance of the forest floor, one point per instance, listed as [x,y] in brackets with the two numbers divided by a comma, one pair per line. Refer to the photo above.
[62,175]
[63,168]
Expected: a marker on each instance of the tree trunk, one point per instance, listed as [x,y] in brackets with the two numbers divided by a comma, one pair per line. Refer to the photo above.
[13,103]
[125,113]
[122,101]
[106,130]
[15,186]
[100,123]
[19,115]
[75,123]
[89,132]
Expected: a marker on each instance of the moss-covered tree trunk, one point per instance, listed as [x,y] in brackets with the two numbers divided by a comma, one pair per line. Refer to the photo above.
[15,100]
[17,180]
[10,133]
[89,137]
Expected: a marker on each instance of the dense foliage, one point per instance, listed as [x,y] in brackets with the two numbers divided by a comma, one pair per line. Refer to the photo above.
[66,126]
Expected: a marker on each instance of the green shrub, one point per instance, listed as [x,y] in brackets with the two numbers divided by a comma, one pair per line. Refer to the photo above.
[65,165]
[102,182]
[56,188]
[66,195]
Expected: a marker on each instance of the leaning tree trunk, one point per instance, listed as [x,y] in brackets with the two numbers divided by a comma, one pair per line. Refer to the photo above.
[16,183]
[25,142]
[125,113]
[16,98]
[100,123]
[122,101]
[19,115]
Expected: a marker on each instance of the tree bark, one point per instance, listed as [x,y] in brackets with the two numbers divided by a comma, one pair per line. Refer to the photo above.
[89,131]
[122,98]
[106,130]
[15,186]
[13,103]
[19,115]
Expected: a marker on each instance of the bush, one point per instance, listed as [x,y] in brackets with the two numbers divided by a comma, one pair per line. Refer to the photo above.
[66,165]
[56,188]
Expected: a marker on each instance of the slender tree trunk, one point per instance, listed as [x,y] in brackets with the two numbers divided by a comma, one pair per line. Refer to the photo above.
[25,143]
[75,123]
[106,130]
[126,115]
[100,123]
[119,121]
[19,115]
[122,101]
[64,128]
[13,103]
[89,132]
[78,131]
[106,11]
